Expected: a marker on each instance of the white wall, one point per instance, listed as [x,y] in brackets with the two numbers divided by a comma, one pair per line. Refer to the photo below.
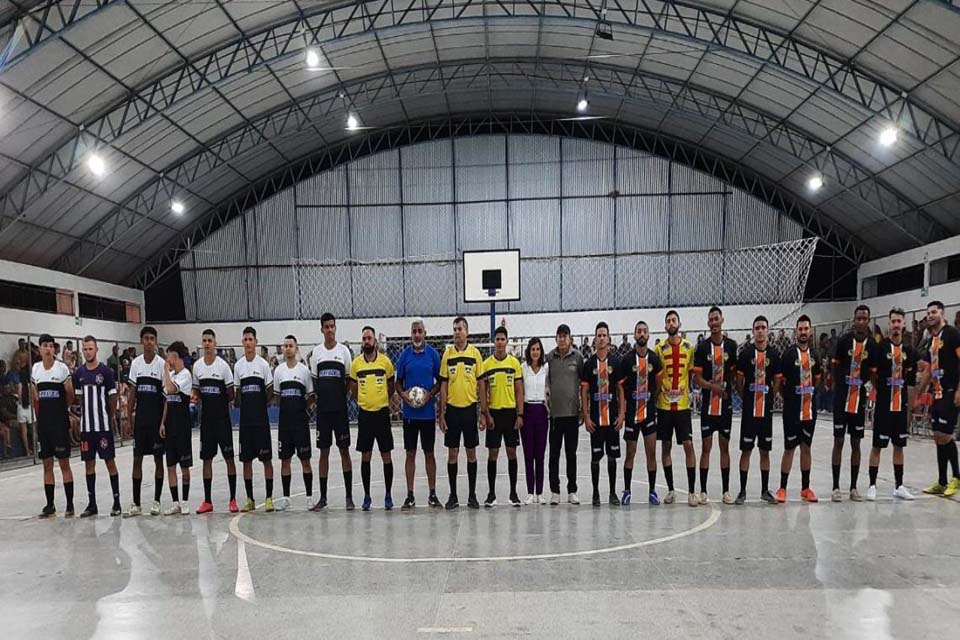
[926,253]
[28,274]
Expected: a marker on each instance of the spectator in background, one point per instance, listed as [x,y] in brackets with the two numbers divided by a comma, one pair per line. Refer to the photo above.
[877,334]
[114,360]
[956,320]
[8,415]
[56,352]
[699,338]
[25,416]
[69,355]
[264,352]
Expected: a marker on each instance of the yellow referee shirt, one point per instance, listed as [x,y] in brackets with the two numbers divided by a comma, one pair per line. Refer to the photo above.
[372,379]
[460,369]
[500,376]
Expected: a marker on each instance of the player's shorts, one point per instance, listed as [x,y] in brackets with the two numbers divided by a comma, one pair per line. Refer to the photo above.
[632,432]
[848,423]
[330,423]
[24,414]
[54,441]
[722,424]
[147,440]
[374,426]
[797,431]
[97,443]
[426,430]
[943,414]
[890,426]
[604,440]
[179,448]
[294,439]
[504,429]
[674,422]
[756,432]
[255,443]
[461,421]
[216,434]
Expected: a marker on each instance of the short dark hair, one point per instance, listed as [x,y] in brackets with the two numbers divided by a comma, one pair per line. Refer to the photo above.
[640,322]
[44,337]
[804,318]
[250,330]
[897,311]
[563,330]
[209,332]
[148,331]
[760,319]
[327,317]
[672,312]
[370,329]
[601,325]
[861,307]
[935,303]
[89,338]
[526,353]
[501,330]
[714,308]
[290,336]
[463,320]
[178,348]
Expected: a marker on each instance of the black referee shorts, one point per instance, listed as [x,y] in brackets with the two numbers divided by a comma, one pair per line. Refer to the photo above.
[461,423]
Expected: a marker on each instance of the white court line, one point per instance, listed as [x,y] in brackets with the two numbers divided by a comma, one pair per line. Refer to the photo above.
[445,630]
[244,585]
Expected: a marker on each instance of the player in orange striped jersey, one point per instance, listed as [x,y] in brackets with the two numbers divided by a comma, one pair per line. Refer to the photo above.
[598,406]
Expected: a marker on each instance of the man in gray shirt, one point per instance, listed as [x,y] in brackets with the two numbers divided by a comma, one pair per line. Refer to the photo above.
[563,379]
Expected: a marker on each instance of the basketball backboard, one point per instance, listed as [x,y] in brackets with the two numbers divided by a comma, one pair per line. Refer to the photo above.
[491,271]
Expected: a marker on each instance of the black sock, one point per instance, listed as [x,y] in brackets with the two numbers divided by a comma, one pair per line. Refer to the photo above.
[285,484]
[804,478]
[365,477]
[388,476]
[854,474]
[452,477]
[174,493]
[612,474]
[248,487]
[207,487]
[703,479]
[783,479]
[322,480]
[115,488]
[725,478]
[595,476]
[836,477]
[68,492]
[137,482]
[92,489]
[691,479]
[157,488]
[954,458]
[873,475]
[652,480]
[472,478]
[743,481]
[269,486]
[232,481]
[492,475]
[764,480]
[627,477]
[308,482]
[942,464]
[48,491]
[186,490]
[513,469]
[668,474]
[898,475]
[348,484]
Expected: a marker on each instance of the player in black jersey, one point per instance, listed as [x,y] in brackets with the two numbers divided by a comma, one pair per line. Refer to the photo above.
[598,402]
[254,388]
[213,388]
[52,392]
[294,390]
[145,408]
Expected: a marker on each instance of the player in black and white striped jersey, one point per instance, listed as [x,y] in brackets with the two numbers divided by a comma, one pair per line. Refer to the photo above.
[292,384]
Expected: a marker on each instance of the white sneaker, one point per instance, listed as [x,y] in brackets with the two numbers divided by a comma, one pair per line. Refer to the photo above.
[173,510]
[703,498]
[670,498]
[836,496]
[872,493]
[132,511]
[692,499]
[540,499]
[281,504]
[572,498]
[531,499]
[855,496]
[308,502]
[155,509]
[184,509]
[902,493]
[554,498]
[727,498]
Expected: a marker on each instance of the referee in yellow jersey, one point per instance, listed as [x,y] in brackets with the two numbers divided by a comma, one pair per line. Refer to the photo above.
[501,393]
[460,368]
[371,383]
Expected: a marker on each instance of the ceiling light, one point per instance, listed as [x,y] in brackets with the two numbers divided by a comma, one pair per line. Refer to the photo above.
[177,207]
[313,58]
[96,165]
[889,135]
[582,104]
[815,182]
[352,122]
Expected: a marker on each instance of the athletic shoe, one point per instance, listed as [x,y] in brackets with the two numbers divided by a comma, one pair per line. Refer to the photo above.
[90,511]
[408,504]
[855,495]
[132,511]
[670,498]
[47,512]
[952,487]
[472,502]
[541,499]
[115,510]
[902,493]
[434,501]
[184,509]
[349,504]
[173,510]
[572,498]
[282,504]
[452,503]
[767,497]
[69,512]
[554,499]
[836,496]
[596,499]
[614,500]
[248,506]
[653,499]
[205,507]
[807,495]
[308,503]
[936,489]
[268,505]
[625,498]
[367,503]
[515,500]
[319,506]
[692,499]
[781,495]
[531,499]
[388,503]
[872,493]
[491,501]
[155,508]
[741,498]
[703,498]
[233,506]
[727,497]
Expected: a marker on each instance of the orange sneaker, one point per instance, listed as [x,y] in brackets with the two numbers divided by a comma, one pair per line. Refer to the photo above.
[781,495]
[233,506]
[807,495]
[205,507]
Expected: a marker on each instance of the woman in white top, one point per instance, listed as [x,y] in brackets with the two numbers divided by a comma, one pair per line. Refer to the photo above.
[535,418]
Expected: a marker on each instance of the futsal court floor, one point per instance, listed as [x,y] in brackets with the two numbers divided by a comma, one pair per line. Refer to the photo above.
[850,570]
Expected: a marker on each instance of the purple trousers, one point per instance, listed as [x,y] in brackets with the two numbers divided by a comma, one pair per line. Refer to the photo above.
[534,436]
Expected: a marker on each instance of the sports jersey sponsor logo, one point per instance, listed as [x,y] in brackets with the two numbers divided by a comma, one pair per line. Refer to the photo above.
[146,388]
[329,373]
[291,393]
[99,378]
[48,394]
[174,397]
[210,390]
[250,388]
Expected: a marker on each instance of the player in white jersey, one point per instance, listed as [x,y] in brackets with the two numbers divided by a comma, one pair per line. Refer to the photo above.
[294,389]
[254,389]
[51,391]
[146,403]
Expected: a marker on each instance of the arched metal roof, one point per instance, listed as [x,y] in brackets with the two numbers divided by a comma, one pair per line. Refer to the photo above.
[205,102]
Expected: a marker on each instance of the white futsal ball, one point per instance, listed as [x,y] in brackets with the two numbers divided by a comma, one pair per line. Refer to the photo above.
[417,396]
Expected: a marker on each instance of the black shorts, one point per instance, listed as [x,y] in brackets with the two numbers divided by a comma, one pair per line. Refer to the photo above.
[504,429]
[179,448]
[604,440]
[147,440]
[797,432]
[722,424]
[216,434]
[943,414]
[848,423]
[330,424]
[674,422]
[255,443]
[890,426]
[425,429]
[294,439]
[374,426]
[756,432]
[461,421]
[97,443]
[632,432]
[54,441]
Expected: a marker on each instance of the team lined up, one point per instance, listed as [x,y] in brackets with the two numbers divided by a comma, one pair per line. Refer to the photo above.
[643,394]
